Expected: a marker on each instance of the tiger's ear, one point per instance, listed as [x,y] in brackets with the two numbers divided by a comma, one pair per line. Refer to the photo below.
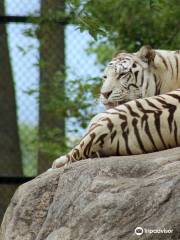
[147,54]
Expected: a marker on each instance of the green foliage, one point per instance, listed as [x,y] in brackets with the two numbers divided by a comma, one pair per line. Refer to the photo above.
[121,24]
[75,103]
[29,148]
[115,25]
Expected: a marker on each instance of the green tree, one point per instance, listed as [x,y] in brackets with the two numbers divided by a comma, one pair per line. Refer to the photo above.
[10,154]
[121,24]
[115,25]
[51,121]
[29,147]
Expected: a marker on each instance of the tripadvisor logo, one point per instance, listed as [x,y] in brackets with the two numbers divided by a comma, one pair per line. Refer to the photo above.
[139,231]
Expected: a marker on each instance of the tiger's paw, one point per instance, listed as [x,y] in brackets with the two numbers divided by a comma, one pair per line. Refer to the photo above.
[60,162]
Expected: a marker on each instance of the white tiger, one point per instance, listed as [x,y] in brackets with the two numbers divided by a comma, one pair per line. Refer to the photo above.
[139,126]
[145,73]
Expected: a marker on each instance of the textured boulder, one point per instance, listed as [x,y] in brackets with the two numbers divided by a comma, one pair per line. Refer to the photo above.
[100,199]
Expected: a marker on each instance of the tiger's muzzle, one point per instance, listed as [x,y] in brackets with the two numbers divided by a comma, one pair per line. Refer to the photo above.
[118,96]
[109,105]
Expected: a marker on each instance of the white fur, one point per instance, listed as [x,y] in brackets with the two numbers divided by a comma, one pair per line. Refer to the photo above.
[119,74]
[60,162]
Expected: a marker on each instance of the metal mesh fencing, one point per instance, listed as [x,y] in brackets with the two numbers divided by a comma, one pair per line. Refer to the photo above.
[21,76]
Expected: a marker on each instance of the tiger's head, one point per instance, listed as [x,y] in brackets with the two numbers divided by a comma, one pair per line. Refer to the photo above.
[126,77]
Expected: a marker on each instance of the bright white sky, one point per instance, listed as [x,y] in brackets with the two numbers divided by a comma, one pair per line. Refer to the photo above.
[26,74]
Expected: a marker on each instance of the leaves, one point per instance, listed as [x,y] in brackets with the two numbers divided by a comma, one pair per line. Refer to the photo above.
[129,24]
[114,25]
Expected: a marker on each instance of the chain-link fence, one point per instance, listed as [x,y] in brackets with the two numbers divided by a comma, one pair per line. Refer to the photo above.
[21,55]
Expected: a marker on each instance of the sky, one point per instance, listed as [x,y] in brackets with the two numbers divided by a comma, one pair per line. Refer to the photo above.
[25,71]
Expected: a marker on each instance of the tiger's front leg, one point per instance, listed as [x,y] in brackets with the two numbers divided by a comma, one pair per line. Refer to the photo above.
[82,151]
[90,146]
[60,162]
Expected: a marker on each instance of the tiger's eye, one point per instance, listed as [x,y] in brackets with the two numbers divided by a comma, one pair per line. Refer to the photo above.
[134,65]
[120,75]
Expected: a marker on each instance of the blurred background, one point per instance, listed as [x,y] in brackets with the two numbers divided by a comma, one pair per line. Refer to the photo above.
[52,53]
[37,59]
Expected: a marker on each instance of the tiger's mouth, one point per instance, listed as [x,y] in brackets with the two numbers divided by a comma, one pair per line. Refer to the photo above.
[109,105]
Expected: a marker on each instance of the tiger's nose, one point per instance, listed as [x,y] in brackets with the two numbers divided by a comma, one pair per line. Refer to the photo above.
[106,94]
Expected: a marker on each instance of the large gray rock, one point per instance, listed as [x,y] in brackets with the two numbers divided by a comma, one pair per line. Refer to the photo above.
[100,199]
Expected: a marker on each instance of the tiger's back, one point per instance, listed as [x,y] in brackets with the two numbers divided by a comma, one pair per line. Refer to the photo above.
[139,126]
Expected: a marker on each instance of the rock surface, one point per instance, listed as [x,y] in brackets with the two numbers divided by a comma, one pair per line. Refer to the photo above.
[99,199]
